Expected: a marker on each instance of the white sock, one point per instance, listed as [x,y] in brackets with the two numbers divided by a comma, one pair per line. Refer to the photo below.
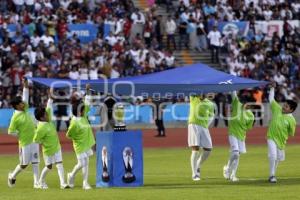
[85,171]
[234,166]
[202,158]
[35,169]
[231,163]
[17,170]
[272,162]
[61,173]
[194,158]
[43,174]
[76,169]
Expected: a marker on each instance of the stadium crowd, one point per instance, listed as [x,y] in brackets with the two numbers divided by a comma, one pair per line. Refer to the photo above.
[46,48]
[136,44]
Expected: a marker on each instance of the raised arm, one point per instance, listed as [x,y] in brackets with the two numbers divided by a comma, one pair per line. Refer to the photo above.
[272,92]
[87,98]
[25,96]
[49,108]
[50,99]
[234,95]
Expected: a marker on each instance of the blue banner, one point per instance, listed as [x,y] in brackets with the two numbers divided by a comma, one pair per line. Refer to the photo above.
[119,159]
[85,32]
[106,30]
[236,28]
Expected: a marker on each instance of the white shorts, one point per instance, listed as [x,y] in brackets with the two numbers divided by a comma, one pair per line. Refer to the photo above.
[237,145]
[85,154]
[274,152]
[29,154]
[56,158]
[199,136]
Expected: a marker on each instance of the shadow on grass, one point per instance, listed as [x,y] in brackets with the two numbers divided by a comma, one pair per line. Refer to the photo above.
[212,183]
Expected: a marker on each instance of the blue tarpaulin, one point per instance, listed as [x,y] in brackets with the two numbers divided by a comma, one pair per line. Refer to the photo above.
[191,79]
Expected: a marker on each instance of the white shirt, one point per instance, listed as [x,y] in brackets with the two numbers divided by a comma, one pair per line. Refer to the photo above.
[170,60]
[31,55]
[47,40]
[186,3]
[48,5]
[112,40]
[64,3]
[170,27]
[18,2]
[74,75]
[29,2]
[268,14]
[84,74]
[215,38]
[279,79]
[35,41]
[134,54]
[135,19]
[259,57]
[114,74]
[93,73]
[119,26]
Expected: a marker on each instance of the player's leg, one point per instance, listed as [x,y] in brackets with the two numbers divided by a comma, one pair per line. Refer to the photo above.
[61,175]
[85,174]
[206,144]
[280,157]
[24,161]
[272,154]
[77,167]
[60,169]
[235,164]
[35,160]
[46,169]
[234,153]
[194,142]
[85,170]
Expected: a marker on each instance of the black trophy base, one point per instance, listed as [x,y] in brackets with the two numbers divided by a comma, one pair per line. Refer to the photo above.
[119,128]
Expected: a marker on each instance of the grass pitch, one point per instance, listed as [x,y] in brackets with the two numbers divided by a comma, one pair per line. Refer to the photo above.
[168,176]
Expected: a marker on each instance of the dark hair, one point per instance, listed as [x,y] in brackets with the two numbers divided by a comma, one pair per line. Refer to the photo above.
[77,107]
[16,101]
[292,104]
[39,113]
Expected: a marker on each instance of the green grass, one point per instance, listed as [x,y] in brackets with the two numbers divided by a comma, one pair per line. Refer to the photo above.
[167,176]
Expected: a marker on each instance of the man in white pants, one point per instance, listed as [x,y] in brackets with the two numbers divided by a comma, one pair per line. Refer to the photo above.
[47,136]
[282,125]
[81,133]
[201,115]
[241,120]
[22,126]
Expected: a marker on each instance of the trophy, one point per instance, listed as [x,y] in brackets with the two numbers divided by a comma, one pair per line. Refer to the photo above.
[105,173]
[128,164]
[119,118]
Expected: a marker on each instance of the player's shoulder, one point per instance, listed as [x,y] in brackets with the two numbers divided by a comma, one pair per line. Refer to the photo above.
[291,118]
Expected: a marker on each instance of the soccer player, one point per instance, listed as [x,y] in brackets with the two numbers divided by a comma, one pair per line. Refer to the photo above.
[81,133]
[240,122]
[46,135]
[22,126]
[201,115]
[282,125]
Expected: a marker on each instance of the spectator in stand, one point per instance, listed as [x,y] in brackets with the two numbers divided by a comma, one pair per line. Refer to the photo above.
[214,37]
[171,30]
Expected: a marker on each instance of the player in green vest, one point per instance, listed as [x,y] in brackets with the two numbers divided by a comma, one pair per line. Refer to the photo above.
[241,120]
[47,136]
[200,116]
[22,126]
[281,126]
[81,133]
